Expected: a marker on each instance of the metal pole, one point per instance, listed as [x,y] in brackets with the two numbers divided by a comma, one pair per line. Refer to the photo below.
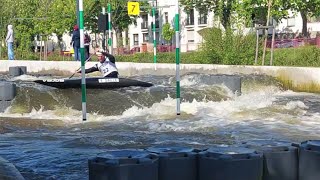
[272,45]
[104,32]
[110,29]
[77,11]
[177,28]
[1,40]
[83,78]
[154,34]
[257,48]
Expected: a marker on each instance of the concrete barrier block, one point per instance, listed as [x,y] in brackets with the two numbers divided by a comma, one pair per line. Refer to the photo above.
[7,91]
[4,105]
[280,159]
[176,163]
[126,164]
[232,82]
[23,69]
[8,171]
[17,70]
[309,160]
[230,163]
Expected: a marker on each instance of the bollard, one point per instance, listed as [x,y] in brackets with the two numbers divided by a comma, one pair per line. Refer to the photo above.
[280,159]
[230,163]
[125,164]
[17,70]
[7,94]
[309,160]
[176,163]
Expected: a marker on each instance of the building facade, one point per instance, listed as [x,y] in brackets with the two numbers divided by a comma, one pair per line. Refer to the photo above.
[190,23]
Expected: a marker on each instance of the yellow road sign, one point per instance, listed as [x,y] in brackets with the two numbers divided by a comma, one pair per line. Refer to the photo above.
[133,8]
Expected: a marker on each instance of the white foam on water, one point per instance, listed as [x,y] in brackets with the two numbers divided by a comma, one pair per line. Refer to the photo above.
[254,111]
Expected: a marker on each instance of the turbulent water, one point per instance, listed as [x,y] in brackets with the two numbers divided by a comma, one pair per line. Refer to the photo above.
[43,135]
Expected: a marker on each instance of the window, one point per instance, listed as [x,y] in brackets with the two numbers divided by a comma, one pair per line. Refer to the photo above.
[144,24]
[166,17]
[203,18]
[190,17]
[190,36]
[291,22]
[157,36]
[136,39]
[157,19]
[145,37]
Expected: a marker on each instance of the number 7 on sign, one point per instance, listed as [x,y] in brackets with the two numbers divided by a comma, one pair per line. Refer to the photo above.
[133,8]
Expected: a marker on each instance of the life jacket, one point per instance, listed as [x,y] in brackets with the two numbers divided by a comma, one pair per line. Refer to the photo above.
[107,67]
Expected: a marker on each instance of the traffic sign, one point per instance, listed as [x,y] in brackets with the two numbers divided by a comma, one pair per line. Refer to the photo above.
[133,8]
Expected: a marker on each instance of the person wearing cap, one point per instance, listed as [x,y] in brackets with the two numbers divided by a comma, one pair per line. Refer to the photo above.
[75,41]
[106,65]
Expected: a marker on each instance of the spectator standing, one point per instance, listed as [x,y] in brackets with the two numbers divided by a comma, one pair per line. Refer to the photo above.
[87,41]
[75,42]
[9,41]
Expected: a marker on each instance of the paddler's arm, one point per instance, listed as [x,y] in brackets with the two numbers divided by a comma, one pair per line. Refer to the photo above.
[110,57]
[90,70]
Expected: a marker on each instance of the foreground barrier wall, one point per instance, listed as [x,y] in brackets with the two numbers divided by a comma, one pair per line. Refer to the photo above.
[124,165]
[296,75]
[309,160]
[176,163]
[8,171]
[280,159]
[253,160]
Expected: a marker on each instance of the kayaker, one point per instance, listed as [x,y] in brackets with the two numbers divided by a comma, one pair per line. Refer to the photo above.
[106,65]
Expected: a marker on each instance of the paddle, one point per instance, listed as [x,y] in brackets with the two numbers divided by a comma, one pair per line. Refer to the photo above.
[80,66]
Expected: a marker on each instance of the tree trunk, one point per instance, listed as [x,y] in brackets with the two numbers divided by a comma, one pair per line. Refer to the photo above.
[226,14]
[119,40]
[304,24]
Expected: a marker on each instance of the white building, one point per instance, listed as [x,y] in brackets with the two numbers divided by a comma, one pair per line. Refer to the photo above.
[190,24]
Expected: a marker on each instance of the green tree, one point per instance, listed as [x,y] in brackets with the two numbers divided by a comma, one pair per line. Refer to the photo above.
[167,32]
[221,8]
[255,11]
[307,8]
[120,19]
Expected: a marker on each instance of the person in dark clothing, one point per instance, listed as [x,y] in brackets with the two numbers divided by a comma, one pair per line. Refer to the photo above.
[87,40]
[106,65]
[75,41]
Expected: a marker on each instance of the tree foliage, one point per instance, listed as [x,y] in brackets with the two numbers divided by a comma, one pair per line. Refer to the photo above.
[307,8]
[167,32]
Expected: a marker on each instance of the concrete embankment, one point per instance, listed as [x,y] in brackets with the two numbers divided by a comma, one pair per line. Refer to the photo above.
[295,78]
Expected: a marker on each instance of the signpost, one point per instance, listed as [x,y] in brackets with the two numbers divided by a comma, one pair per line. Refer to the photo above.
[133,8]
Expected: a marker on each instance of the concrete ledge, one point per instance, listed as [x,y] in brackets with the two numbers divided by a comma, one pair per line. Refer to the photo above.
[297,78]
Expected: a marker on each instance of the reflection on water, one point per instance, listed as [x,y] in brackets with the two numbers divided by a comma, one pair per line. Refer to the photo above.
[42,132]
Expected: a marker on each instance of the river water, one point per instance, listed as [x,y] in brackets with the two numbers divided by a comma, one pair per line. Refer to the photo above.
[43,135]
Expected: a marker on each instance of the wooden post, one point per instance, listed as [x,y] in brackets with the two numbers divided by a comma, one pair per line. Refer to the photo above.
[266,33]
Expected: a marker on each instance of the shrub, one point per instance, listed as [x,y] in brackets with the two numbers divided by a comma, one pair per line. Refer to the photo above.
[228,47]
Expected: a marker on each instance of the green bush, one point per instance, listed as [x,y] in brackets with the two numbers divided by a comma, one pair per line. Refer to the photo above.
[228,47]
[303,56]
